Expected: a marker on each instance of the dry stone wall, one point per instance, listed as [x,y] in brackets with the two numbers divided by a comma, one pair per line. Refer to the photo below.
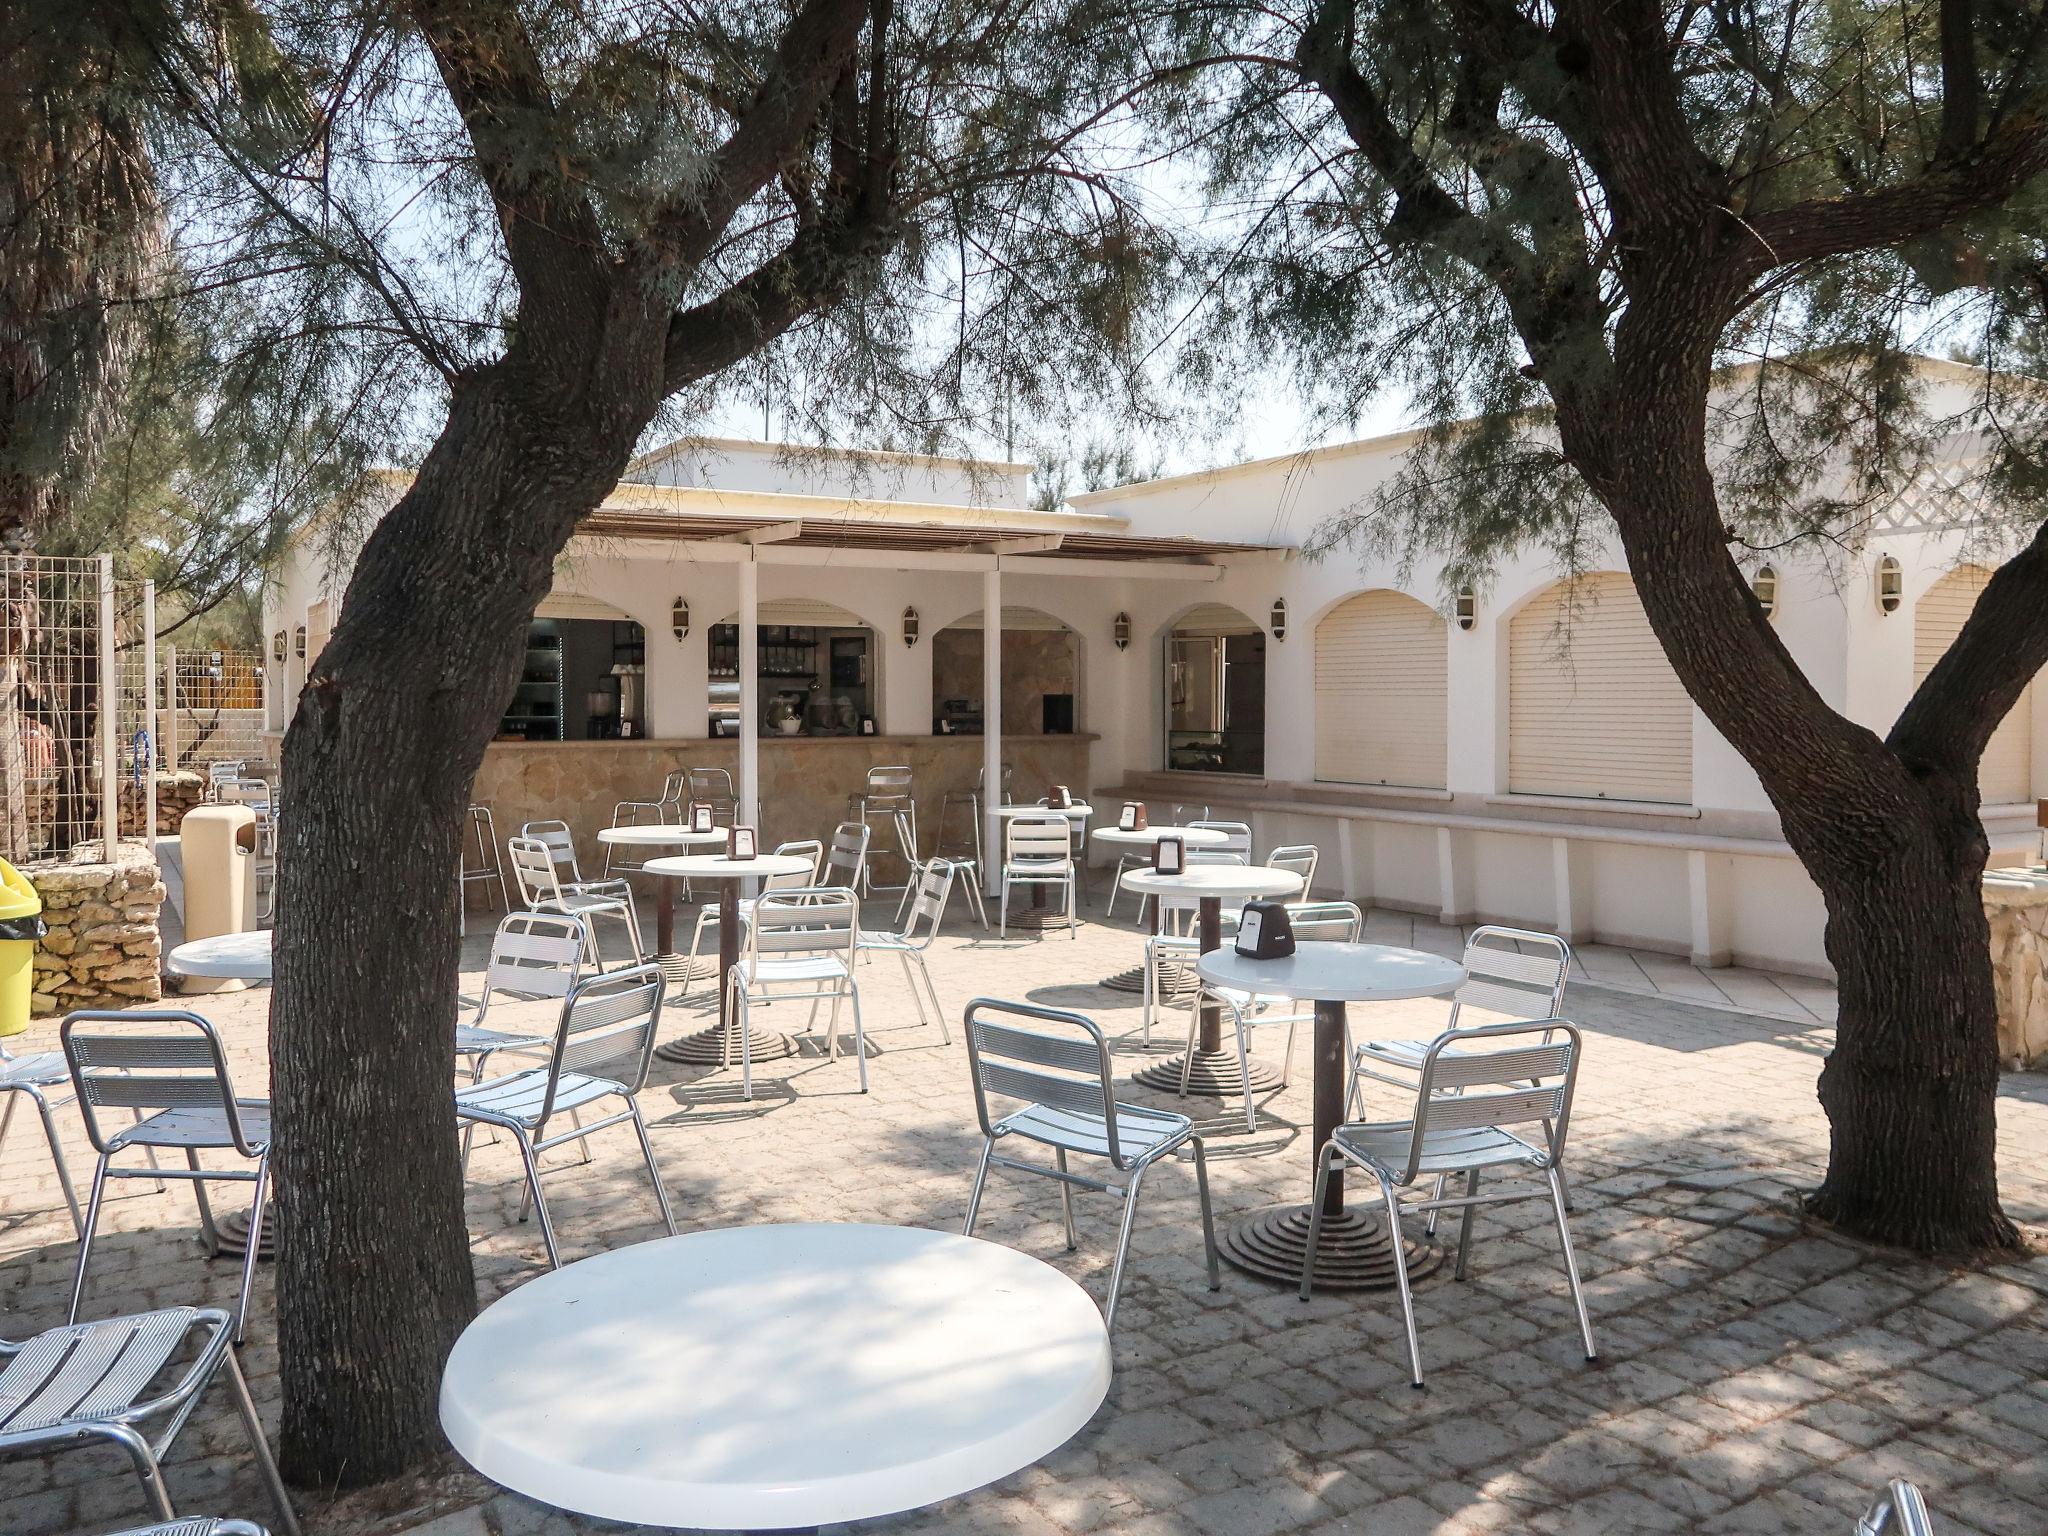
[104,949]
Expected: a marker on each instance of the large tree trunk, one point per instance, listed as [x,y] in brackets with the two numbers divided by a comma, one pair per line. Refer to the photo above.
[378,766]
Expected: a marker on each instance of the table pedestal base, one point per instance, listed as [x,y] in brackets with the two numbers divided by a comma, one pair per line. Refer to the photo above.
[1215,1075]
[707,1047]
[1352,1251]
[679,971]
[1176,981]
[233,1230]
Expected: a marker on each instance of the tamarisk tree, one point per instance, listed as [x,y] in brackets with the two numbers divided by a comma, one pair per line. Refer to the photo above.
[1562,221]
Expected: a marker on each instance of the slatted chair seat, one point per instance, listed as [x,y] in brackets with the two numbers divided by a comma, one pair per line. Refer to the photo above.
[45,1069]
[519,1098]
[115,1383]
[1386,1143]
[470,1040]
[1140,1132]
[25,1077]
[799,968]
[197,1126]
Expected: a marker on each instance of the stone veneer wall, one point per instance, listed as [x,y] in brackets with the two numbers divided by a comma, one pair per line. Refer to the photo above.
[103,949]
[176,793]
[2016,901]
[804,782]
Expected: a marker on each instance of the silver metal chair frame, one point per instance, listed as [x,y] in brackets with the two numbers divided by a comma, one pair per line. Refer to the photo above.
[713,787]
[1345,921]
[483,841]
[169,1063]
[667,811]
[1457,1129]
[801,947]
[846,857]
[84,1384]
[889,789]
[533,955]
[1899,1511]
[200,1525]
[707,915]
[1300,859]
[26,1077]
[537,871]
[927,907]
[1069,1104]
[601,1050]
[957,864]
[971,798]
[1028,865]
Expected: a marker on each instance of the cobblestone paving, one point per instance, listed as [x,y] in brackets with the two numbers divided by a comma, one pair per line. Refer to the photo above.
[1755,1375]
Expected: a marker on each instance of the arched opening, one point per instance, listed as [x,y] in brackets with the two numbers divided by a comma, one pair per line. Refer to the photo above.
[2005,774]
[1382,663]
[1041,675]
[584,676]
[818,674]
[1215,678]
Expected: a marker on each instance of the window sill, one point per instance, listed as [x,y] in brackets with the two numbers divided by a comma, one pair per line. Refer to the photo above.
[1595,803]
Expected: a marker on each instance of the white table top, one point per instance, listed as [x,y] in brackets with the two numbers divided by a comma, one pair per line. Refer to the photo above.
[659,836]
[775,1376]
[716,866]
[1145,837]
[1226,882]
[1326,972]
[1078,811]
[226,957]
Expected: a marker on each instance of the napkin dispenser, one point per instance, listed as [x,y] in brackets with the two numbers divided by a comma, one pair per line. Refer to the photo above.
[1132,817]
[1264,931]
[700,818]
[1170,855]
[1061,798]
[741,842]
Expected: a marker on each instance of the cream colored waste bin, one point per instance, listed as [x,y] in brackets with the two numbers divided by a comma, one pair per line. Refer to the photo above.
[217,844]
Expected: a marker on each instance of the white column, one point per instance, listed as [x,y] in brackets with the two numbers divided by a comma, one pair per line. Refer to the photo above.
[750,692]
[149,719]
[992,726]
[110,708]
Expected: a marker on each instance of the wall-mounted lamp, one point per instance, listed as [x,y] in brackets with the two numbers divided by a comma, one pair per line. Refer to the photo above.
[1120,631]
[679,619]
[1891,584]
[299,641]
[277,646]
[911,627]
[1465,607]
[1279,618]
[1765,586]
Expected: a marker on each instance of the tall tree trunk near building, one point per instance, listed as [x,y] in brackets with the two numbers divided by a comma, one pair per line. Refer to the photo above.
[378,764]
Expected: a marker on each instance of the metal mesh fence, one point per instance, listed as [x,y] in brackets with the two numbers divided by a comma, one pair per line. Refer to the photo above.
[75,649]
[218,707]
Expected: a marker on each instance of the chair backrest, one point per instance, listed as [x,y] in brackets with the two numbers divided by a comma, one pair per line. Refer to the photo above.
[533,866]
[928,903]
[533,955]
[807,848]
[1298,858]
[668,808]
[608,1027]
[560,844]
[713,787]
[145,1062]
[1901,1510]
[1040,841]
[848,856]
[1504,1075]
[1520,972]
[1009,780]
[1237,837]
[1333,922]
[804,920]
[1061,1064]
[887,785]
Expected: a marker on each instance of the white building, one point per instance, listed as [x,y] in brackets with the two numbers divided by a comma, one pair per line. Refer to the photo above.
[1165,641]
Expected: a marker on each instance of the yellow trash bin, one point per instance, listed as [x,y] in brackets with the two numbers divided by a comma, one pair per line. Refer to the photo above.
[21,924]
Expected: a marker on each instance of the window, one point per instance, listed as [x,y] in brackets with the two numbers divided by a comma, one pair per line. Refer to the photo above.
[1380,692]
[1216,692]
[2005,774]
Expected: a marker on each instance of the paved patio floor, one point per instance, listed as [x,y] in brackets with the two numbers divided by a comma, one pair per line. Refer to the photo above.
[1755,1375]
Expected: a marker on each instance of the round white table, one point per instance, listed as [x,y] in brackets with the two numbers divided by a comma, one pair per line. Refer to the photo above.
[1356,1250]
[775,1377]
[709,1047]
[661,835]
[1127,841]
[1214,1071]
[224,957]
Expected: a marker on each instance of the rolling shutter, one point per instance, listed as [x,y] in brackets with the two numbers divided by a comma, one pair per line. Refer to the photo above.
[2005,776]
[1380,692]
[1594,709]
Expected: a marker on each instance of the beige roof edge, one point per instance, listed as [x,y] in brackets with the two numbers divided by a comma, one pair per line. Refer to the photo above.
[1392,442]
[780,506]
[885,455]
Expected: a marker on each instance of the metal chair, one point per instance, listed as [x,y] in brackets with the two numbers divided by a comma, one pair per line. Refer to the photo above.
[1174,938]
[888,790]
[801,947]
[1466,1100]
[170,1065]
[1899,1511]
[26,1077]
[534,955]
[955,864]
[927,909]
[669,810]
[601,1051]
[1062,1081]
[87,1384]
[846,860]
[1237,837]
[707,915]
[1300,859]
[1176,816]
[542,889]
[221,771]
[971,799]
[482,842]
[1037,850]
[200,1525]
[713,787]
[1338,922]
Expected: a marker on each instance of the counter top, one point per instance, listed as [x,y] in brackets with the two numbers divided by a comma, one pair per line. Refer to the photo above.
[698,743]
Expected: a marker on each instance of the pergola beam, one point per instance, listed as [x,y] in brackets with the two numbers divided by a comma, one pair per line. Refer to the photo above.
[769,533]
[1026,544]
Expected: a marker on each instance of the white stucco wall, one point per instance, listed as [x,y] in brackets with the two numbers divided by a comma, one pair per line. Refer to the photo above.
[733,464]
